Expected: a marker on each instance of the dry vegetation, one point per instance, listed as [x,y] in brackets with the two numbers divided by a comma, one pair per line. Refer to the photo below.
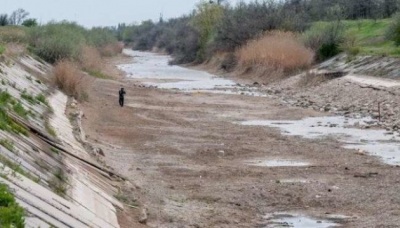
[90,58]
[69,79]
[276,54]
[12,34]
[112,49]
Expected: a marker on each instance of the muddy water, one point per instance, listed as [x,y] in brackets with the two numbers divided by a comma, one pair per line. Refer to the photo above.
[153,67]
[348,131]
[154,70]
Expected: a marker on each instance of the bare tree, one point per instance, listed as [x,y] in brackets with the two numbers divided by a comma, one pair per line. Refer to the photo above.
[18,16]
[219,2]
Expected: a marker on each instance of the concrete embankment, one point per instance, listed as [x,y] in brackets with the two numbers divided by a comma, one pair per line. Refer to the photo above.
[51,174]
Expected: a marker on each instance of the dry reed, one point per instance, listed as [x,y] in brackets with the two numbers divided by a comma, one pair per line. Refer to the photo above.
[69,79]
[275,53]
[90,59]
[112,49]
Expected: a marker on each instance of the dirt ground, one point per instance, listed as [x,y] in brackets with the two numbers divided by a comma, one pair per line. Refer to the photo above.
[185,156]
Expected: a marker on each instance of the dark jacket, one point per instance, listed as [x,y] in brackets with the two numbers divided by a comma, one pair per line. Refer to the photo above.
[122,93]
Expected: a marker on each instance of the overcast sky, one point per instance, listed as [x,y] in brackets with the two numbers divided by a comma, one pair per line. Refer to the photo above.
[101,12]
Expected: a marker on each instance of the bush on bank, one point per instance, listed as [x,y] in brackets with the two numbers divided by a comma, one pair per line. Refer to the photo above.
[11,214]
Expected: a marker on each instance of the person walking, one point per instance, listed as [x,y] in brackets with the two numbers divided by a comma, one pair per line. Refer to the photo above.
[121,96]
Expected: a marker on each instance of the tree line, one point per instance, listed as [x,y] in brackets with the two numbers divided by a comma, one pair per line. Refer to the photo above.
[18,17]
[219,27]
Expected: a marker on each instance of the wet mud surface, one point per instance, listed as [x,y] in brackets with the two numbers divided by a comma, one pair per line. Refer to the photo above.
[193,163]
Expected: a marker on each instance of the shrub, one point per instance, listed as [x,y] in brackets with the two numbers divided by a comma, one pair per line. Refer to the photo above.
[100,37]
[325,39]
[229,62]
[246,21]
[205,21]
[276,51]
[57,41]
[68,78]
[11,214]
[186,45]
[145,36]
[2,49]
[30,22]
[4,20]
[393,32]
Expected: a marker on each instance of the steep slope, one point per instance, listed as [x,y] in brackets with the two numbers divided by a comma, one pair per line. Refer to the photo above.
[52,175]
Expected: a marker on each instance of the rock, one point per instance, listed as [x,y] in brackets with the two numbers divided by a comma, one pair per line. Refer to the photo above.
[375,115]
[144,216]
[99,152]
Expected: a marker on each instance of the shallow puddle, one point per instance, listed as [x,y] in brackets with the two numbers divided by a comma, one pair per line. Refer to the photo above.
[277,163]
[294,181]
[296,221]
[375,142]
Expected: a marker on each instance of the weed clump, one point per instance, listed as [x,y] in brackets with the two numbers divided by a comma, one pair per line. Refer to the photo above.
[20,110]
[7,144]
[41,98]
[58,183]
[6,123]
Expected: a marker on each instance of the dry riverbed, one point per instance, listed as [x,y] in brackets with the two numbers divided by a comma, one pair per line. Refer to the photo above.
[194,160]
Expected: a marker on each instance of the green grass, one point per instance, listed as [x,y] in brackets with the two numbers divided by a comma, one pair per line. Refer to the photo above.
[17,168]
[2,49]
[41,98]
[54,150]
[7,144]
[97,74]
[6,123]
[370,36]
[20,110]
[5,97]
[28,97]
[11,214]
